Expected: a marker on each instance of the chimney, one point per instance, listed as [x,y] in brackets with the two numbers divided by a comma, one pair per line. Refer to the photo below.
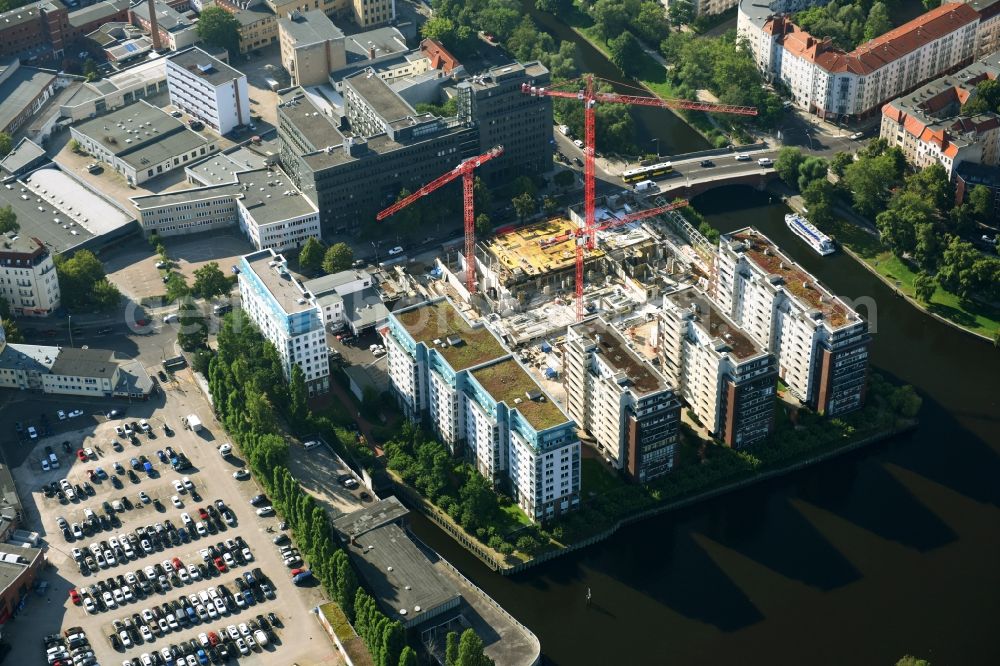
[371,51]
[154,29]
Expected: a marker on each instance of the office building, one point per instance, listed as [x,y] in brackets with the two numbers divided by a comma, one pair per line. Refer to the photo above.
[728,380]
[465,384]
[191,211]
[311,47]
[28,280]
[258,26]
[621,400]
[141,141]
[85,20]
[929,127]
[208,89]
[819,342]
[352,173]
[273,301]
[829,82]
[363,13]
[347,299]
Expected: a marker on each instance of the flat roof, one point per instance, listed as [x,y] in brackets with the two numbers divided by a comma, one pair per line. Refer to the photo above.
[364,308]
[183,196]
[716,324]
[222,167]
[508,383]
[439,320]
[615,351]
[205,66]
[271,196]
[318,128]
[24,154]
[377,94]
[59,209]
[310,27]
[29,358]
[19,90]
[282,287]
[386,40]
[540,248]
[252,15]
[762,251]
[327,283]
[77,202]
[370,517]
[13,562]
[100,11]
[78,362]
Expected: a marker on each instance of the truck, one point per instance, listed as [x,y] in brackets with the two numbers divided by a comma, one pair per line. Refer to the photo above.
[645,186]
[193,422]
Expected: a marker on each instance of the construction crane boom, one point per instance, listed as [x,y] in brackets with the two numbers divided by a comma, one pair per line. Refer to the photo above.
[465,171]
[617,222]
[590,96]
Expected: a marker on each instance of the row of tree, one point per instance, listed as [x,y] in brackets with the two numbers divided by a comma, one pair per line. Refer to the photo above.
[847,23]
[83,284]
[315,256]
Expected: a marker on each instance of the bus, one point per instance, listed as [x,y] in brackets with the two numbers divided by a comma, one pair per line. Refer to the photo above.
[647,172]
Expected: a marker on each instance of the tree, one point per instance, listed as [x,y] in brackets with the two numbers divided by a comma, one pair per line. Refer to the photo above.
[869,180]
[524,184]
[440,29]
[550,205]
[5,144]
[338,257]
[484,226]
[524,205]
[298,397]
[482,198]
[626,52]
[651,23]
[311,255]
[8,220]
[393,642]
[451,648]
[924,286]
[74,145]
[681,12]
[191,330]
[610,18]
[787,165]
[878,22]
[90,69]
[812,168]
[839,163]
[209,281]
[819,197]
[929,5]
[933,184]
[470,650]
[82,283]
[981,202]
[408,657]
[957,262]
[927,245]
[564,178]
[219,28]
[177,286]
[11,331]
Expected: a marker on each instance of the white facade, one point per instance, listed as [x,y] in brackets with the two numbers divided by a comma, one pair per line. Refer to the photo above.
[272,300]
[187,211]
[282,234]
[328,293]
[208,89]
[28,280]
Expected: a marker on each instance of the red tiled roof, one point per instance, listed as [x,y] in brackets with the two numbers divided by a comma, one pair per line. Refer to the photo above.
[880,51]
[439,56]
[892,112]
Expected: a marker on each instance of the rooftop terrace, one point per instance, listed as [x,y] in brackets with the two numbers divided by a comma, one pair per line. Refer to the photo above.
[507,382]
[762,251]
[539,248]
[439,320]
[716,323]
[617,354]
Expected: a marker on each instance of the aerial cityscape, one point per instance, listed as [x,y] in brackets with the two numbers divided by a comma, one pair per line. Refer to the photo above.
[499,332]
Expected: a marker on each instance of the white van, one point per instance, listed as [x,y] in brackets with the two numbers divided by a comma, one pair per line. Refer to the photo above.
[645,186]
[170,318]
[765,162]
[311,444]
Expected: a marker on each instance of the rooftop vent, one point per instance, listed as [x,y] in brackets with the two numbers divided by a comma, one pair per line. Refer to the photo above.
[206,69]
[454,340]
[533,394]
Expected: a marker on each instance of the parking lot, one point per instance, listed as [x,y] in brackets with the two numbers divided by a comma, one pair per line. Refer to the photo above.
[296,639]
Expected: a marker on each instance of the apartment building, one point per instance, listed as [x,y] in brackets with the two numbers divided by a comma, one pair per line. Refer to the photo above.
[272,300]
[363,13]
[461,380]
[929,127]
[311,47]
[728,380]
[353,173]
[257,25]
[141,141]
[208,89]
[819,342]
[614,394]
[331,291]
[831,83]
[28,280]
[272,213]
[988,33]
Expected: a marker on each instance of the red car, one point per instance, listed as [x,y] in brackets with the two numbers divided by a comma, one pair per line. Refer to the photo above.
[74,595]
[81,454]
[203,514]
[220,565]
[296,572]
[213,638]
[177,563]
[92,474]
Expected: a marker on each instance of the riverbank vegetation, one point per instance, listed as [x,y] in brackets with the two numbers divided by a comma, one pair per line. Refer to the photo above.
[922,242]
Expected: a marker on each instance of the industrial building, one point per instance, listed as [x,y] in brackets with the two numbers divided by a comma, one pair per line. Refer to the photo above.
[19,566]
[728,380]
[351,172]
[272,299]
[175,31]
[28,280]
[819,342]
[141,141]
[208,89]
[480,401]
[621,400]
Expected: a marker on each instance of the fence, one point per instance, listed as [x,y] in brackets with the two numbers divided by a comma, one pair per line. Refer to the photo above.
[712,152]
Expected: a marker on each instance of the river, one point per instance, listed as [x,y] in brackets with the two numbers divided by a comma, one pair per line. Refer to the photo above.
[887,551]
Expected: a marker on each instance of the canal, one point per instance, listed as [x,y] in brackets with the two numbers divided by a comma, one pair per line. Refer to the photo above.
[884,552]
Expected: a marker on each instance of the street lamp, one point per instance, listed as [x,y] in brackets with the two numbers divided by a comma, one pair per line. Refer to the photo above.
[69,324]
[375,246]
[657,140]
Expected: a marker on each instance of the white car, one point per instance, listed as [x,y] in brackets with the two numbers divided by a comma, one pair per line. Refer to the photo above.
[179,487]
[265,511]
[75,413]
[183,575]
[395,251]
[578,143]
[145,426]
[170,318]
[241,474]
[126,640]
[201,529]
[177,501]
[244,629]
[226,449]
[247,555]
[147,635]
[109,600]
[89,605]
[742,157]
[187,483]
[857,136]
[45,465]
[61,414]
[233,632]
[220,606]
[193,572]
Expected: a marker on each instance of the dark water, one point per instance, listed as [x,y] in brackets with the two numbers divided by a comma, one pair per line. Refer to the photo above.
[674,136]
[888,551]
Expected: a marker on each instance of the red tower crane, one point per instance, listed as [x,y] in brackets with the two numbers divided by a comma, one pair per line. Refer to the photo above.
[465,170]
[590,97]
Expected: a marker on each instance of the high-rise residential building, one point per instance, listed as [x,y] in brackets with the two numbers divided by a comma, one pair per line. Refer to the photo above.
[467,386]
[616,395]
[28,280]
[208,89]
[272,299]
[832,83]
[728,380]
[820,343]
[353,172]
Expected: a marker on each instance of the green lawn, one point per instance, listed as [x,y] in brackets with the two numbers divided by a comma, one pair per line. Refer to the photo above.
[514,514]
[976,317]
[594,478]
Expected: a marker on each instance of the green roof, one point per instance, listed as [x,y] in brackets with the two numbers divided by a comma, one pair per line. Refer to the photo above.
[507,381]
[469,346]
